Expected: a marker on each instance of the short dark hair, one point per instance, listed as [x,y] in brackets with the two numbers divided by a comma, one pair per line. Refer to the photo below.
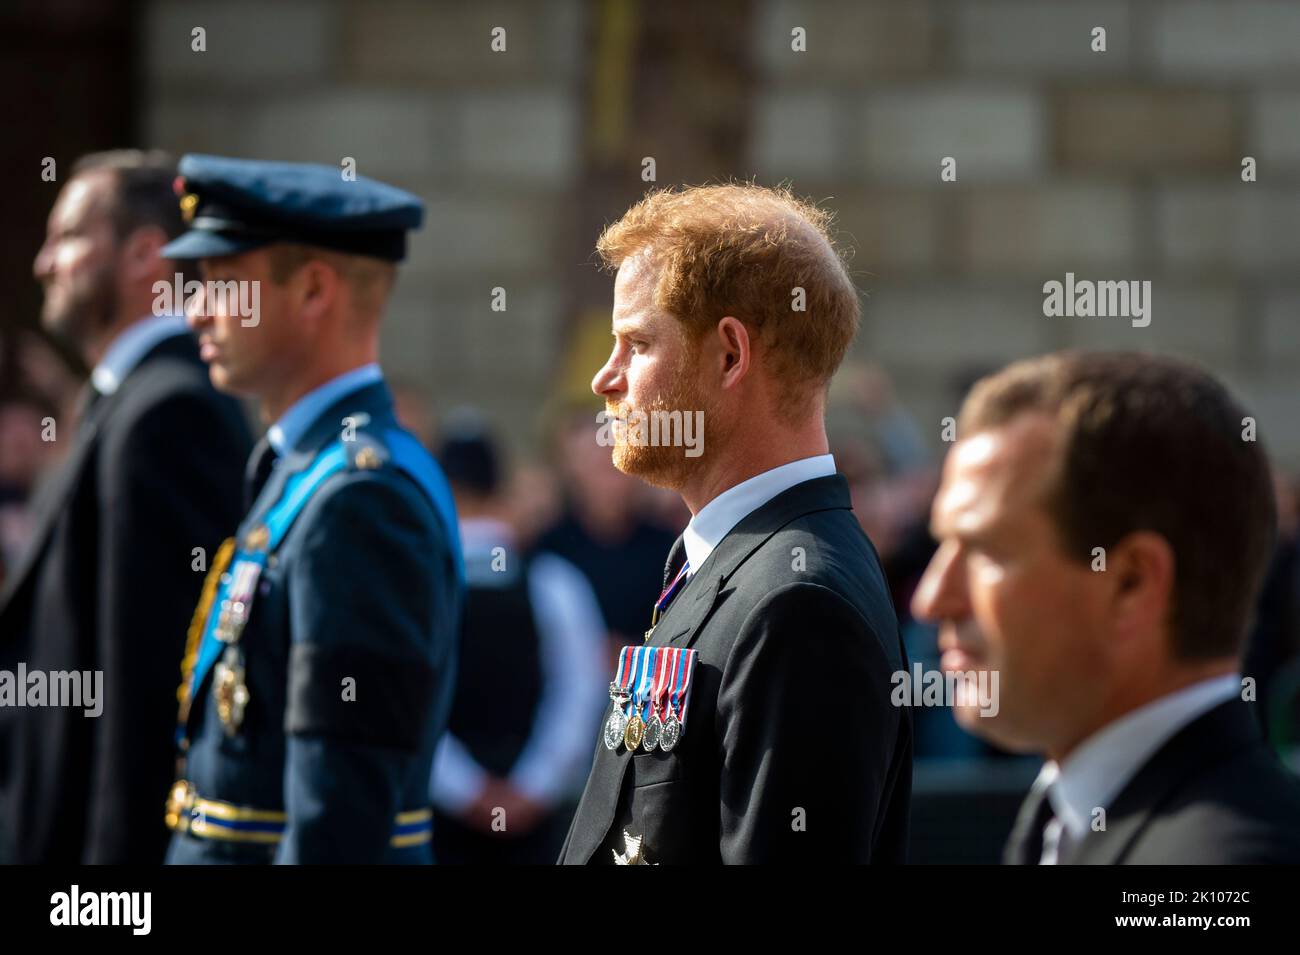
[143,193]
[1151,443]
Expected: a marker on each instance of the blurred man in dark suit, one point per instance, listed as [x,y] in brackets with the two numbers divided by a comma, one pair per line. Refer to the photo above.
[754,724]
[121,532]
[1104,523]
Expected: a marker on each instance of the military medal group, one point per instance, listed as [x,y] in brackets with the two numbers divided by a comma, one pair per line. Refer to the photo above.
[650,697]
[214,641]
[650,688]
[650,694]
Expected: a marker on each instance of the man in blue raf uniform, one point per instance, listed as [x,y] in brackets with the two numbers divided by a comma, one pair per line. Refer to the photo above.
[321,660]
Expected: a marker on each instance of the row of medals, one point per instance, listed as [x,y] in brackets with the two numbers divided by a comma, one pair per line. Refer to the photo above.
[229,686]
[634,732]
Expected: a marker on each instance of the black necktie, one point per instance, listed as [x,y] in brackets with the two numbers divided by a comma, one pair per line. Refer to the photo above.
[260,464]
[674,558]
[1032,851]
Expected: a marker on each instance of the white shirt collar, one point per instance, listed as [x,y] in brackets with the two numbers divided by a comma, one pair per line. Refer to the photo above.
[716,519]
[132,344]
[290,427]
[1102,765]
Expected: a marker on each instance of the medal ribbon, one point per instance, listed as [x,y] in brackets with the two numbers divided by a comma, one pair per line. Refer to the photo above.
[244,575]
[624,675]
[649,659]
[669,592]
[667,657]
[680,699]
[634,683]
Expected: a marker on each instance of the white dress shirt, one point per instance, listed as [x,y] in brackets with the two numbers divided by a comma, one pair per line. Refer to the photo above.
[1103,764]
[716,519]
[132,344]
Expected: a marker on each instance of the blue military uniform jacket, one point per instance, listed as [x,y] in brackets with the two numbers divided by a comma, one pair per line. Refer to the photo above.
[309,737]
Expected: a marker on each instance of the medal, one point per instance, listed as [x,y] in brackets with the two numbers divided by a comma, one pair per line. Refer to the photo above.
[618,694]
[617,722]
[654,726]
[633,850]
[675,726]
[238,602]
[634,732]
[672,732]
[653,731]
[228,686]
[614,727]
[230,691]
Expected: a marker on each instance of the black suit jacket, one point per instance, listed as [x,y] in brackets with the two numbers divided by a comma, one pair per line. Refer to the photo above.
[792,751]
[109,583]
[1214,794]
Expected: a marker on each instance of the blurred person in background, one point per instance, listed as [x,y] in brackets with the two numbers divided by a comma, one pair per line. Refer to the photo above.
[108,580]
[528,692]
[24,456]
[40,363]
[1272,654]
[892,478]
[414,409]
[605,530]
[1104,528]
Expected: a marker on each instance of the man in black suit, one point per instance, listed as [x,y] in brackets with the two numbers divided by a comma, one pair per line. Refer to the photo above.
[1104,524]
[123,529]
[755,723]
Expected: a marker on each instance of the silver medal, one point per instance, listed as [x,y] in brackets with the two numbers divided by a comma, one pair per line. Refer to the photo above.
[653,731]
[614,727]
[617,722]
[671,734]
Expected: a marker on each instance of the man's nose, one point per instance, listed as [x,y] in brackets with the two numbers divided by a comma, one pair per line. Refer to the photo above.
[941,594]
[43,264]
[196,310]
[608,381]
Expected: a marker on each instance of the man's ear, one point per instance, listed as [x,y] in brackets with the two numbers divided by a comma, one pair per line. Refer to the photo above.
[734,351]
[1141,569]
[319,285]
[138,256]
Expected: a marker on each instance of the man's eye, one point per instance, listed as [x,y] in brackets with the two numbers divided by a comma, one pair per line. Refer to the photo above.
[638,346]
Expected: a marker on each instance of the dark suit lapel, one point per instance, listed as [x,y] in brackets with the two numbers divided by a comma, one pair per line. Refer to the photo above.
[1027,833]
[685,615]
[688,613]
[612,768]
[1209,739]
